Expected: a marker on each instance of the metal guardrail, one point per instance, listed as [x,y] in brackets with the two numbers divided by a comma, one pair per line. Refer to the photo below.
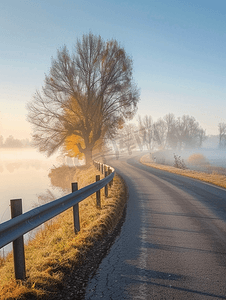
[14,229]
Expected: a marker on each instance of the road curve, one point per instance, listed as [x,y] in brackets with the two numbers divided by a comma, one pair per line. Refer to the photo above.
[172,244]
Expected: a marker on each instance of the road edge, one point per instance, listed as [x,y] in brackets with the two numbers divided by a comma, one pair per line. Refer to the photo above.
[211,179]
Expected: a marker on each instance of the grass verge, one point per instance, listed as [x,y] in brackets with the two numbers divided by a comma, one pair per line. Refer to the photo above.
[214,178]
[56,250]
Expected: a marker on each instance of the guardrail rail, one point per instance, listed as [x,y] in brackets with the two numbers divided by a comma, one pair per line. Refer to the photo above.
[14,229]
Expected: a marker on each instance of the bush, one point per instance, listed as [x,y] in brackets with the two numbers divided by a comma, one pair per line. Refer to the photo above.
[179,163]
[197,159]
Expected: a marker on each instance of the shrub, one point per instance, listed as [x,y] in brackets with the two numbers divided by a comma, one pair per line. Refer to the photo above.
[197,159]
[179,163]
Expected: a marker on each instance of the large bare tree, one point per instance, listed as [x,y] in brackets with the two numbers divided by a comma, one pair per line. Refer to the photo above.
[85,97]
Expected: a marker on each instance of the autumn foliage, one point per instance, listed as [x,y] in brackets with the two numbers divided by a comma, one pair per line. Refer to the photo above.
[86,97]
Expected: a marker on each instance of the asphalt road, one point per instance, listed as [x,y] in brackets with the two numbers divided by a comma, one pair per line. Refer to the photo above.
[172,244]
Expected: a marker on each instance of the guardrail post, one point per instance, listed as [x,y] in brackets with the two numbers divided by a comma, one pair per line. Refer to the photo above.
[109,172]
[18,244]
[98,193]
[102,168]
[74,188]
[111,182]
[106,186]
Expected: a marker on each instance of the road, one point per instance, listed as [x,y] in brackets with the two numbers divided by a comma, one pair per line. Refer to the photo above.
[172,244]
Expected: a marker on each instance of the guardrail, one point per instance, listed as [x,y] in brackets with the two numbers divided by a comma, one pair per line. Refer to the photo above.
[14,229]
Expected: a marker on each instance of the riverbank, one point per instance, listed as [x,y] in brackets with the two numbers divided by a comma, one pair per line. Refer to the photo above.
[214,178]
[56,254]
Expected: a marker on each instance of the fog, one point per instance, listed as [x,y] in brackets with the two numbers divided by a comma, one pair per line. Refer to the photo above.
[215,157]
[24,175]
[24,172]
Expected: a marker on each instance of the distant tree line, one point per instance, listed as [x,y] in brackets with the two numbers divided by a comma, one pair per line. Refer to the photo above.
[168,132]
[11,142]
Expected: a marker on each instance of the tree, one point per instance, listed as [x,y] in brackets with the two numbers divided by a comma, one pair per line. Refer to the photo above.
[189,133]
[11,142]
[171,131]
[222,135]
[125,139]
[145,130]
[201,137]
[85,98]
[129,140]
[159,133]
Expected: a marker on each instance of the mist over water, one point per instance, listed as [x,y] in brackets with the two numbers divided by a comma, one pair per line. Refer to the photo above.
[24,175]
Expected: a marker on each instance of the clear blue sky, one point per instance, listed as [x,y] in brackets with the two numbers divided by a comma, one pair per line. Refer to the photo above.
[178,48]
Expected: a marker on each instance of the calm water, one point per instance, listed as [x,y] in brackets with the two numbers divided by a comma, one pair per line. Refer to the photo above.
[24,174]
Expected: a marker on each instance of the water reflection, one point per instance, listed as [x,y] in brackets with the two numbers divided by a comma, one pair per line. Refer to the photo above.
[23,174]
[62,177]
[46,197]
[28,175]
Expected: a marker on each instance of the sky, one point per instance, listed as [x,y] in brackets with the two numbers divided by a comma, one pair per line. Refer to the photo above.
[177,47]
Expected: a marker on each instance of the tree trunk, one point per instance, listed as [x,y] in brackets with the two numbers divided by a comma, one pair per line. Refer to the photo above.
[88,156]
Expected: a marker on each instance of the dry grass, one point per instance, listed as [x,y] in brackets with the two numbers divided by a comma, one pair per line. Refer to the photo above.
[56,247]
[214,178]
